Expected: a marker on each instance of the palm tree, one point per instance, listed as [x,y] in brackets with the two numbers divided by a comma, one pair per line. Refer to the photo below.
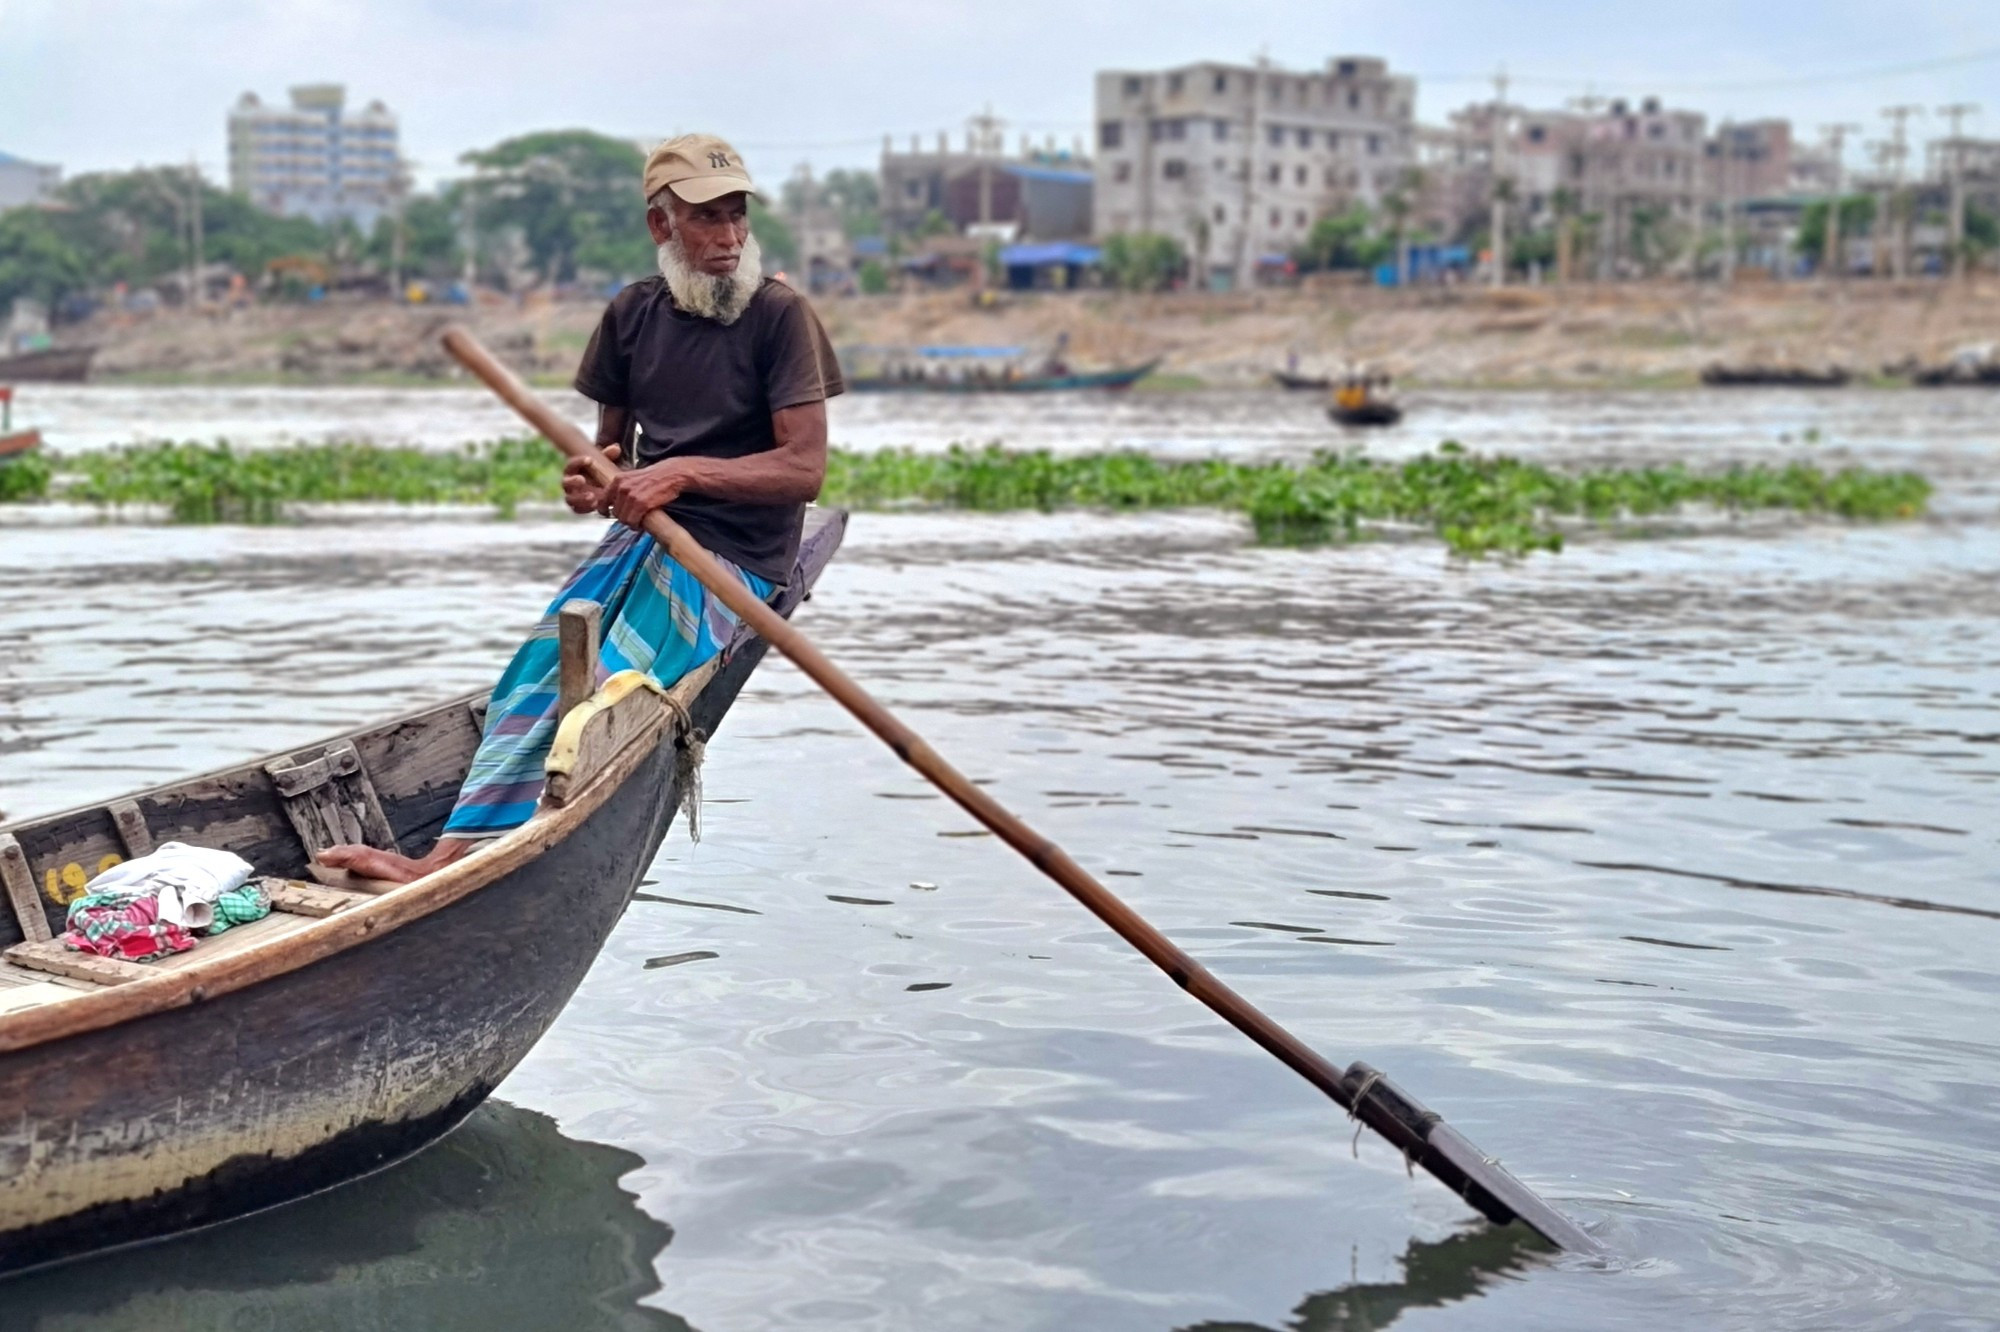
[1399,203]
[1564,204]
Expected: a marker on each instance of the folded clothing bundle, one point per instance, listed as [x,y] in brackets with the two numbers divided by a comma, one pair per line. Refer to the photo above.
[150,907]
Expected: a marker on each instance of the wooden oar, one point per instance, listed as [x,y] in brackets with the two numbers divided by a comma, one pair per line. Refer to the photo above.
[1366,1095]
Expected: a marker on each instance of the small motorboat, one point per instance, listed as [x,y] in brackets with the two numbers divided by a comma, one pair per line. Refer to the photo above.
[1287,379]
[1364,398]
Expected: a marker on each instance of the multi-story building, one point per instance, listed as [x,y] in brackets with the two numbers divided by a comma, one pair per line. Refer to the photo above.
[1645,174]
[25,182]
[1752,159]
[1238,161]
[314,158]
[1043,193]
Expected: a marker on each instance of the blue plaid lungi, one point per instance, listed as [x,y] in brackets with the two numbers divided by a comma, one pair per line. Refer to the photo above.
[657,618]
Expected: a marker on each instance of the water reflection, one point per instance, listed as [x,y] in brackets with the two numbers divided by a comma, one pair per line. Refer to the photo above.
[506,1223]
[1434,1274]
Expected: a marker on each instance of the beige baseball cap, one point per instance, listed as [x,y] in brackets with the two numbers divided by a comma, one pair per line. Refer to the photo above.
[697,168]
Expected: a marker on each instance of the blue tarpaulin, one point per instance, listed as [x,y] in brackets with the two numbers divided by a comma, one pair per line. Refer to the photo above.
[956,351]
[1051,252]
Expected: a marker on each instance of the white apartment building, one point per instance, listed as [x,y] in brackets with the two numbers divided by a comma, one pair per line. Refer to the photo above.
[25,182]
[1238,161]
[314,158]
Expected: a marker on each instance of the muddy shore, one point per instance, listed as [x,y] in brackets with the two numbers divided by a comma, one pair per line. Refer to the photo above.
[1582,337]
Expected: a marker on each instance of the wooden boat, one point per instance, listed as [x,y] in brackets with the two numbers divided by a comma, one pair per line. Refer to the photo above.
[346,1030]
[62,365]
[1121,378]
[1375,413]
[1285,379]
[14,442]
[1719,374]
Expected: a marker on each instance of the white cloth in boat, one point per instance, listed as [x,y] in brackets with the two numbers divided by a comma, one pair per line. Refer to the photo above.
[186,879]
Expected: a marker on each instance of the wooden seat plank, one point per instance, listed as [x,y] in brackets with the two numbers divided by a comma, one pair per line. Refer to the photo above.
[50,955]
[308,899]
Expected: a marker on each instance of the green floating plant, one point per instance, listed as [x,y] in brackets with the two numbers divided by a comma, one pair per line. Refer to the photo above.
[1478,505]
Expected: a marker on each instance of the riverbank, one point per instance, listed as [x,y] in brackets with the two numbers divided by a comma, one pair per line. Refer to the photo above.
[1628,336]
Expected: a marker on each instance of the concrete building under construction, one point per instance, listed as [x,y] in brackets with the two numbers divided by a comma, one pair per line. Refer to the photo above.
[1043,192]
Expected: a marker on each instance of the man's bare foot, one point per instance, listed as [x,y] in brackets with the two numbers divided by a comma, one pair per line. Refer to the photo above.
[369,863]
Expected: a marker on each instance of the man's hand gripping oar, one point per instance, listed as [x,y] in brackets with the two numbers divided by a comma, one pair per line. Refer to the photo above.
[1365,1094]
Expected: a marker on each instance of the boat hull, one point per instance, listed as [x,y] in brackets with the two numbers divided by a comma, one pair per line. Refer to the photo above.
[1285,379]
[325,1073]
[51,365]
[1370,414]
[250,1092]
[1106,379]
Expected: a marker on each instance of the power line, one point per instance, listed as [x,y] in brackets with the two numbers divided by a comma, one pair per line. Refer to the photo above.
[1985,55]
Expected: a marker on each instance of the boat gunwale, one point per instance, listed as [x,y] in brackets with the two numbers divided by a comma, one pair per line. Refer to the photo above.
[198,981]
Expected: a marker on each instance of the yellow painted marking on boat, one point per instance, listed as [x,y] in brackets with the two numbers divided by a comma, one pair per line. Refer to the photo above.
[65,885]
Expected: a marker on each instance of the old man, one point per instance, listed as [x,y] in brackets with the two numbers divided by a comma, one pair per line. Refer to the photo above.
[712,380]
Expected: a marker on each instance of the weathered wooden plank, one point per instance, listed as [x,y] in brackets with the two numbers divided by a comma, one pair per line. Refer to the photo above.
[578,627]
[628,707]
[236,939]
[34,995]
[417,765]
[306,899]
[132,830]
[14,975]
[331,801]
[21,892]
[50,955]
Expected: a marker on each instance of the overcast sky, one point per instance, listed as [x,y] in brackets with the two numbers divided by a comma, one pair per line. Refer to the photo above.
[96,84]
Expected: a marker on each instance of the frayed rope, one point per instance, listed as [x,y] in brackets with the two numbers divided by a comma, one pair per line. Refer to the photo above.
[692,748]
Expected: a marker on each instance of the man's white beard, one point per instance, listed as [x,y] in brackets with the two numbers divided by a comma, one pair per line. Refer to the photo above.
[721,297]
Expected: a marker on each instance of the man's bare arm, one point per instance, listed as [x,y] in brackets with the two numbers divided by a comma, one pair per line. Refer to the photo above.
[791,473]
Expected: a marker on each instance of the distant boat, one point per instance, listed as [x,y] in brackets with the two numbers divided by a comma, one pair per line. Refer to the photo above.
[1119,378]
[1363,398]
[1722,375]
[13,442]
[1285,379]
[60,365]
[1365,414]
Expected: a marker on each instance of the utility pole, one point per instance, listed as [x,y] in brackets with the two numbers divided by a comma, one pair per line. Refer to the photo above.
[1955,147]
[195,293]
[1499,237]
[1880,151]
[1726,188]
[1832,261]
[1246,250]
[1899,153]
[399,184]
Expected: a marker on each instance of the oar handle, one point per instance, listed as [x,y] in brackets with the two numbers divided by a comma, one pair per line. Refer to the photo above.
[1042,853]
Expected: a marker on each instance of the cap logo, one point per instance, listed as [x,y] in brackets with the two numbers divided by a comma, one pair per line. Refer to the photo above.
[718,159]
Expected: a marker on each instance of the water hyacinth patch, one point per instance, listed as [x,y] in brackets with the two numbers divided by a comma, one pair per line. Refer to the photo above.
[1477,505]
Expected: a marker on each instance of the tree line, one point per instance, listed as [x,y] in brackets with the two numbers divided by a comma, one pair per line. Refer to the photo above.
[553,208]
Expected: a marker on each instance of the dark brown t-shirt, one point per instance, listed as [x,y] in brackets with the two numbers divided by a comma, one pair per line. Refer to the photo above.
[702,389]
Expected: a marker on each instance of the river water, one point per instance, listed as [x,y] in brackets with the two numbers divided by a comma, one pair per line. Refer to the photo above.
[1667,870]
